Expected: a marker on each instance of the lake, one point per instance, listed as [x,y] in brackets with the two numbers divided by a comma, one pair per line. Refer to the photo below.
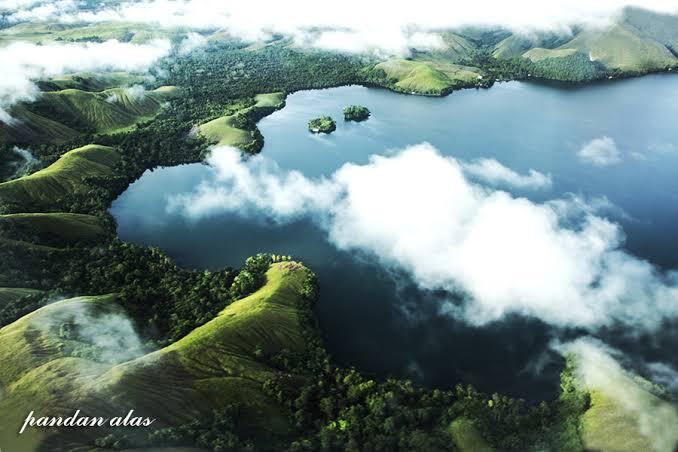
[379,320]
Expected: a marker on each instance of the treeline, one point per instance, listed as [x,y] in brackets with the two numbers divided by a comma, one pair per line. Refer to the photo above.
[165,301]
[572,68]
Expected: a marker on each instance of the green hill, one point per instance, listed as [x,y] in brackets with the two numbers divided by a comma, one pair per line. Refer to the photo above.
[42,190]
[81,32]
[62,115]
[53,229]
[622,48]
[428,77]
[9,294]
[51,366]
[34,128]
[626,411]
[232,130]
[456,48]
[91,81]
[517,44]
[662,28]
[106,111]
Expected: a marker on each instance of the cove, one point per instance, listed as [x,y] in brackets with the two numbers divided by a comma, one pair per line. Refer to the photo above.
[381,322]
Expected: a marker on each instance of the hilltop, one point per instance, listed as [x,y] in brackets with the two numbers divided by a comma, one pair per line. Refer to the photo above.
[225,361]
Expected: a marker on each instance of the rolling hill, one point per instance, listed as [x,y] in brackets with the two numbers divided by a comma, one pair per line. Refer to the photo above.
[428,77]
[53,229]
[41,191]
[82,32]
[639,42]
[225,130]
[62,115]
[8,294]
[629,416]
[54,362]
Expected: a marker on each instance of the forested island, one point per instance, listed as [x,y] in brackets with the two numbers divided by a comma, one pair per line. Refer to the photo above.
[322,124]
[356,113]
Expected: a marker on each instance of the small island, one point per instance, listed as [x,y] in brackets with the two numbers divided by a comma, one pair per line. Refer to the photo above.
[323,124]
[356,113]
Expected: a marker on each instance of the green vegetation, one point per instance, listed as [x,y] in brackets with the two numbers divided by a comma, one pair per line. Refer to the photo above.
[48,188]
[238,362]
[322,124]
[356,113]
[79,32]
[11,294]
[567,65]
[63,115]
[91,81]
[220,366]
[430,78]
[54,229]
[238,128]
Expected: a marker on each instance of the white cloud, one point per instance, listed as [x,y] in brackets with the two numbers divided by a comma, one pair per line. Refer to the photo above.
[600,152]
[40,11]
[24,63]
[191,42]
[416,211]
[665,375]
[352,24]
[496,174]
[134,93]
[598,369]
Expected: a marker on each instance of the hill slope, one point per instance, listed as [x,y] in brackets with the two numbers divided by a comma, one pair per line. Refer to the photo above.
[53,229]
[227,130]
[225,361]
[428,77]
[41,191]
[63,114]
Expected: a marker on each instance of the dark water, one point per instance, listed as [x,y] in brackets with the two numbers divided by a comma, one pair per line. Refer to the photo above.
[380,322]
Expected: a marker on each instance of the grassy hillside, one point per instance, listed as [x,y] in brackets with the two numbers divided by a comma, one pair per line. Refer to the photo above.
[91,81]
[34,128]
[427,77]
[59,116]
[223,362]
[106,111]
[662,28]
[622,48]
[121,31]
[456,48]
[40,191]
[539,54]
[53,229]
[625,411]
[517,44]
[229,131]
[9,294]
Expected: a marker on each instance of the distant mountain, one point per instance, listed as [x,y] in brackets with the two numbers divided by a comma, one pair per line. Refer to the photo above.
[640,41]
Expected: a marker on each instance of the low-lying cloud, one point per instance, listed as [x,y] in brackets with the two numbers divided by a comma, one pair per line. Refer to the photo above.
[24,63]
[352,25]
[599,369]
[494,173]
[417,211]
[134,93]
[600,152]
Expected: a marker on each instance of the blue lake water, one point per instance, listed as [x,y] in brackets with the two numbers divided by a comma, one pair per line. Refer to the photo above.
[365,312]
